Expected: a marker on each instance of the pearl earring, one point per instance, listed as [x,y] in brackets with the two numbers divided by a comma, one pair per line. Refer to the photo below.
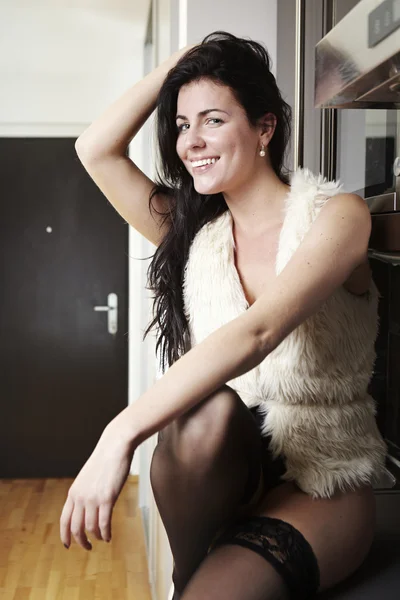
[262,151]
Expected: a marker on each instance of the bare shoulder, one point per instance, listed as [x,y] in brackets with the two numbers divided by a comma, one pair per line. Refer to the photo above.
[352,204]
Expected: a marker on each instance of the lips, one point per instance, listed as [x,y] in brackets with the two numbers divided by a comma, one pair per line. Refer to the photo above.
[203,168]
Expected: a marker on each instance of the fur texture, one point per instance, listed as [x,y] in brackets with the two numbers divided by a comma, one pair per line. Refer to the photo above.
[312,388]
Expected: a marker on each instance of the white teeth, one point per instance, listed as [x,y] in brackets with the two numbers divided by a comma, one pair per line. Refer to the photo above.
[206,161]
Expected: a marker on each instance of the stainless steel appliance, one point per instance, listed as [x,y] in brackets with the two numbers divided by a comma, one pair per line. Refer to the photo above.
[338,65]
[357,83]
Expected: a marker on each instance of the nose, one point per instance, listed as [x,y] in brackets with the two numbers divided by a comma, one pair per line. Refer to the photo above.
[193,139]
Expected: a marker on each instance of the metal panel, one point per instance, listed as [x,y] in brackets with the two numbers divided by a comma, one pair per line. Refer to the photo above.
[328,148]
[298,130]
[348,68]
[385,235]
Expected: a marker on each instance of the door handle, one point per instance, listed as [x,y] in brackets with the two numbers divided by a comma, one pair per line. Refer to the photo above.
[112,309]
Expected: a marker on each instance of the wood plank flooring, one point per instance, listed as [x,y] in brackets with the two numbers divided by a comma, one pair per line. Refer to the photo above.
[34,565]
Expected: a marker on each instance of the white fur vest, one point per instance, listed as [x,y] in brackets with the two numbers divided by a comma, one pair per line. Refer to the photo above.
[312,389]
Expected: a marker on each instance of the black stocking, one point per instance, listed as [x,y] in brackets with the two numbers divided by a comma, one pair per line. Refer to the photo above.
[206,465]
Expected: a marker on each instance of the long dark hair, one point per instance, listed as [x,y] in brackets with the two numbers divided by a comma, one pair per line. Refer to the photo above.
[244,66]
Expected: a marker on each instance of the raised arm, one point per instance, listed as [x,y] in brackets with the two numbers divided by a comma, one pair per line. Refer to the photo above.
[102,150]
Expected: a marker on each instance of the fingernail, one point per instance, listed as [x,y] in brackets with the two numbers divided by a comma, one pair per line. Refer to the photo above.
[66,546]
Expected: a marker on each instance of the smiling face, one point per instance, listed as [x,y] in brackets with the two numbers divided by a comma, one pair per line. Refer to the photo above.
[213,125]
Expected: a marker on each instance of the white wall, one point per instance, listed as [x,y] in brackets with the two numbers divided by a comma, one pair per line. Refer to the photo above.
[159,555]
[255,19]
[61,64]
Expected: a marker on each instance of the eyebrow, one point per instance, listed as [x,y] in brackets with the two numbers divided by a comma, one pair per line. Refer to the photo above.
[204,112]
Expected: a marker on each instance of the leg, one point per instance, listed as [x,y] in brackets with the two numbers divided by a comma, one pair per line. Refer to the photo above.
[326,538]
[231,572]
[340,529]
[199,475]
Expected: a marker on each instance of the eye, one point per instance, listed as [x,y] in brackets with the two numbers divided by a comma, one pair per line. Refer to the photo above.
[180,127]
[215,119]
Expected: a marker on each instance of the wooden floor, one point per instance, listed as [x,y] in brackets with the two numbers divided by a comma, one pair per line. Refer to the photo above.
[34,565]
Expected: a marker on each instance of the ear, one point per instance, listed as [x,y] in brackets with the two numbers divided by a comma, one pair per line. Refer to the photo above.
[267,128]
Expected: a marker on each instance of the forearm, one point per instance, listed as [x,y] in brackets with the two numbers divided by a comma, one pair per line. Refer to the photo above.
[227,353]
[114,129]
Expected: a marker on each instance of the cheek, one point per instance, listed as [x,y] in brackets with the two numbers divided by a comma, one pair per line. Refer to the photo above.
[240,154]
[178,147]
[238,145]
[181,155]
[245,153]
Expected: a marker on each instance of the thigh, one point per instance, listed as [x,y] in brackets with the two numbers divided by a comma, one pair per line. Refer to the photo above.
[291,542]
[268,468]
[339,529]
[232,572]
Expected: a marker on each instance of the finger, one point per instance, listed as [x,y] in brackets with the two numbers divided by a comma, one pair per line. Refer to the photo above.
[92,520]
[65,522]
[78,526]
[105,512]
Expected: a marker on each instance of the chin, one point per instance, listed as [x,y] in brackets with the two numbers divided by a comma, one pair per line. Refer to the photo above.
[208,189]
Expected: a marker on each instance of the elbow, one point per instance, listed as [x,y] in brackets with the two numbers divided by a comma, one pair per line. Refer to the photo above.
[266,342]
[89,148]
[83,150]
[80,151]
[263,338]
[91,151]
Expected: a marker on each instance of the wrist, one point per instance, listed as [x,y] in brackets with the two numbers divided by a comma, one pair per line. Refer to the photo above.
[122,432]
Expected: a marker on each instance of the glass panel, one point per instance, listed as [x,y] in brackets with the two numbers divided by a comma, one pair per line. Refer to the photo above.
[342,7]
[368,143]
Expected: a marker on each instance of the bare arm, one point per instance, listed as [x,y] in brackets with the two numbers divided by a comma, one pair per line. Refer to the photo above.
[102,150]
[336,243]
[334,246]
[113,130]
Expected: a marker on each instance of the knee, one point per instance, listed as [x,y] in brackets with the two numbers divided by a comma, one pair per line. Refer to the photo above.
[205,427]
[202,431]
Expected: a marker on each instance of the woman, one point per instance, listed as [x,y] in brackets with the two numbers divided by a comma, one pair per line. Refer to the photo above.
[267,316]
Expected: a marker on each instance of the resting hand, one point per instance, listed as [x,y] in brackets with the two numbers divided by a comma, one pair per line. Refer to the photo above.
[92,496]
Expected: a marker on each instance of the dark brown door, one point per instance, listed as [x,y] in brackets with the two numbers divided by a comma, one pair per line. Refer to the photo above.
[63,250]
